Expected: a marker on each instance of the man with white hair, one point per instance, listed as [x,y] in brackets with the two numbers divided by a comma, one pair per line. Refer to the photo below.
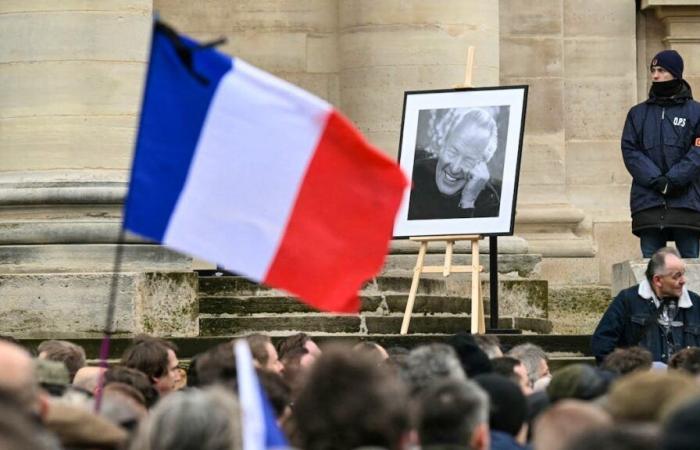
[456,182]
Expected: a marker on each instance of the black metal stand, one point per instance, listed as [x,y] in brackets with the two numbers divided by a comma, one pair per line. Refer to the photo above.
[493,281]
[493,290]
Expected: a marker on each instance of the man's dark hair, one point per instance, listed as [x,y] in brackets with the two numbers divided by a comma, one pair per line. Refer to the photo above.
[292,342]
[71,355]
[625,360]
[473,359]
[686,360]
[149,355]
[505,366]
[449,411]
[258,348]
[217,366]
[508,407]
[657,262]
[681,430]
[277,390]
[134,378]
[348,402]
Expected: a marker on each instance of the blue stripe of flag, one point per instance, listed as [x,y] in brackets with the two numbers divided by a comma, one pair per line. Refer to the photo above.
[174,109]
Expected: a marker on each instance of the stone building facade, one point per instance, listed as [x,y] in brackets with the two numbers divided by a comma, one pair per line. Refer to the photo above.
[72,73]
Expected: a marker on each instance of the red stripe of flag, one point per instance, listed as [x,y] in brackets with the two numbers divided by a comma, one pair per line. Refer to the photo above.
[339,230]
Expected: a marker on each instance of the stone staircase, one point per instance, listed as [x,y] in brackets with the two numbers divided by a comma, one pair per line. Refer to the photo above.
[230,305]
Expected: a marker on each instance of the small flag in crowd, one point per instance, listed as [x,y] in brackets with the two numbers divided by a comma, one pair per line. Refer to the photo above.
[238,167]
[260,430]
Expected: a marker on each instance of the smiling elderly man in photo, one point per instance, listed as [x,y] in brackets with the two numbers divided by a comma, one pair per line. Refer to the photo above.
[659,314]
[457,183]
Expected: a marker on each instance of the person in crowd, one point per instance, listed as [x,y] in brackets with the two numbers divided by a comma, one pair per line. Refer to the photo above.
[625,437]
[134,378]
[296,341]
[203,419]
[473,359]
[297,353]
[157,359]
[687,361]
[18,379]
[372,349]
[52,376]
[556,427]
[661,150]
[453,414]
[626,360]
[428,364]
[514,370]
[348,402]
[278,392]
[264,353]
[681,430]
[19,431]
[68,353]
[217,365]
[507,412]
[87,379]
[659,314]
[649,396]
[576,381]
[457,183]
[534,359]
[490,345]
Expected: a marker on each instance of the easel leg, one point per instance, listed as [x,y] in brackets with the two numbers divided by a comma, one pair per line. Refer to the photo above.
[414,287]
[477,322]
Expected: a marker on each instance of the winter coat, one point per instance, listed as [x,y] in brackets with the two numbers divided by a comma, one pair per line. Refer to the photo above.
[661,137]
[632,319]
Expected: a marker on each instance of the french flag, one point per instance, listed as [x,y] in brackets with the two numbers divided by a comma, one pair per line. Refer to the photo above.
[260,429]
[243,169]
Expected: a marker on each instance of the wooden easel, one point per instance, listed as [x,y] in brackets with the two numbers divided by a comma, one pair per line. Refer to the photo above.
[478,325]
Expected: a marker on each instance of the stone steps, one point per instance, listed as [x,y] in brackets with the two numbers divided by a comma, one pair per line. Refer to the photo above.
[363,324]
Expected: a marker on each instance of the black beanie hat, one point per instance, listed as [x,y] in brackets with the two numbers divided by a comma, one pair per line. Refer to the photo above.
[669,60]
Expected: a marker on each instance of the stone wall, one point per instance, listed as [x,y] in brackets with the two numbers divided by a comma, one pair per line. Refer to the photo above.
[72,74]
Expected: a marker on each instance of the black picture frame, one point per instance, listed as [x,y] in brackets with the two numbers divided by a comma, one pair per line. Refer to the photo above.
[461,149]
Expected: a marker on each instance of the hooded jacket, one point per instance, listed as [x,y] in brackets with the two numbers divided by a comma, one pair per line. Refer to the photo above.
[661,138]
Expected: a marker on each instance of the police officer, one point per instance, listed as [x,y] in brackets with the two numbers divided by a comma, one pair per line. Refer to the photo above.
[661,150]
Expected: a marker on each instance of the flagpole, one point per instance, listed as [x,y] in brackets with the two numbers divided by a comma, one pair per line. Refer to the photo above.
[111,307]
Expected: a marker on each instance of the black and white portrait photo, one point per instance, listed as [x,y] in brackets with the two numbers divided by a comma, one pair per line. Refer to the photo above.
[458,164]
[461,149]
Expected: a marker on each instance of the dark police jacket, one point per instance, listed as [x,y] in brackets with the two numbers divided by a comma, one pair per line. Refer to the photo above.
[660,138]
[631,319]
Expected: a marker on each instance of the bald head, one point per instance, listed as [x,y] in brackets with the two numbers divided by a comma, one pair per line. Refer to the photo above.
[566,421]
[88,377]
[17,377]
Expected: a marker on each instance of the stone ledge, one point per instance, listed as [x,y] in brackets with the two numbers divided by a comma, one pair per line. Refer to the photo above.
[89,258]
[75,304]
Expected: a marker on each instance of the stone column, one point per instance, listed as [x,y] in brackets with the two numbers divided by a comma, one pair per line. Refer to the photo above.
[578,57]
[532,53]
[72,74]
[393,46]
[295,40]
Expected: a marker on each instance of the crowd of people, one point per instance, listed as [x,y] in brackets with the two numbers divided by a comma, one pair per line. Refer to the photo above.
[464,393]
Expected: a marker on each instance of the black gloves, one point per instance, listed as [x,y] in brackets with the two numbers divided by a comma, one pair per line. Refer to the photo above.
[660,185]
[666,188]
